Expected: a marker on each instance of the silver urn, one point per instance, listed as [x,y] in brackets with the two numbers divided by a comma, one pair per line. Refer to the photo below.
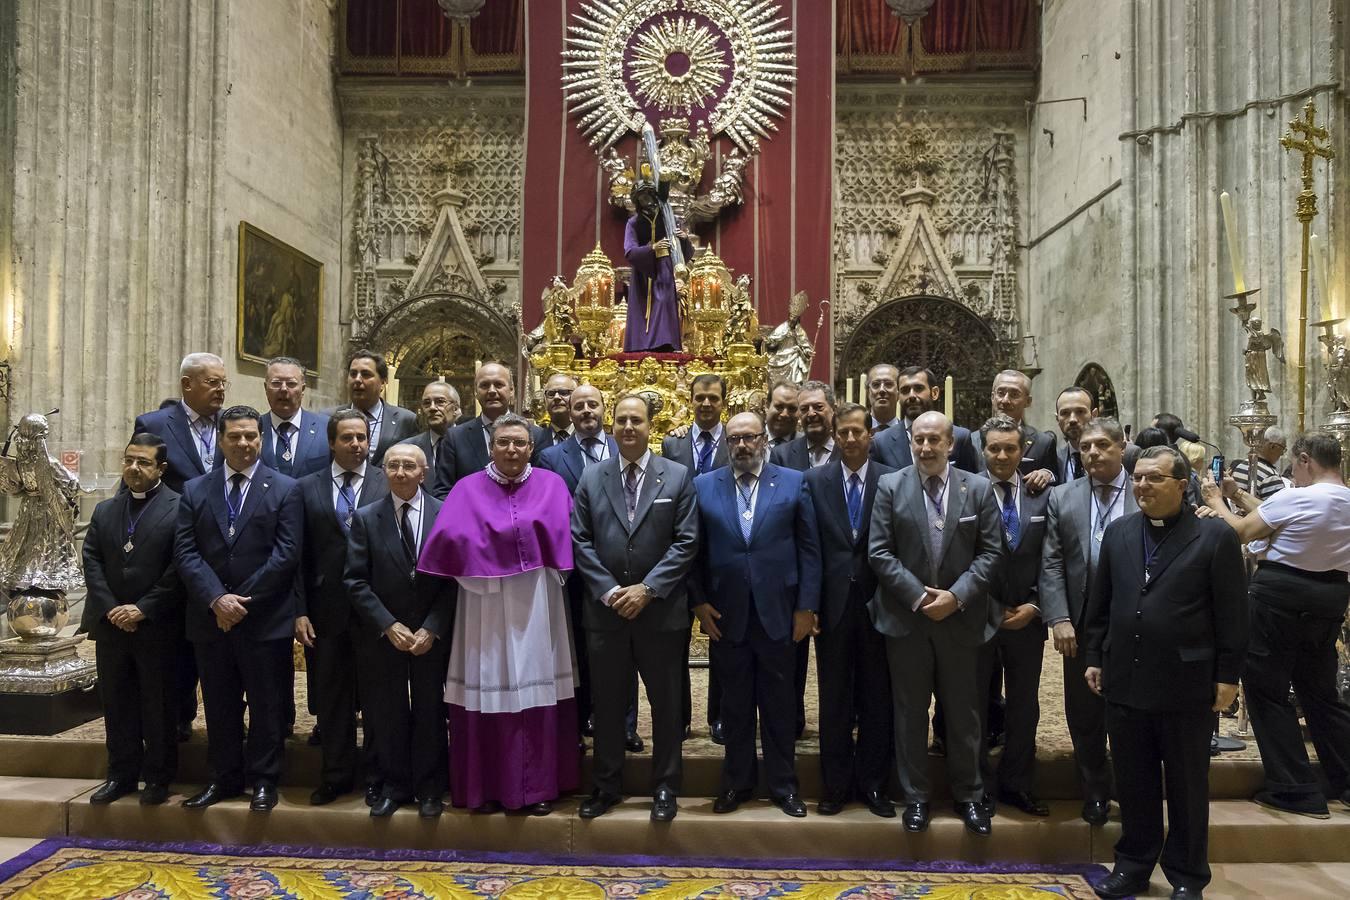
[37,617]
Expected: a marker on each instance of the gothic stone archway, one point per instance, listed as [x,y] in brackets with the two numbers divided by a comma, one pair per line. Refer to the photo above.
[942,335]
[440,334]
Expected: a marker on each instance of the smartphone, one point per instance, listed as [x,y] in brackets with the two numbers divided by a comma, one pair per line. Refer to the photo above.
[1216,468]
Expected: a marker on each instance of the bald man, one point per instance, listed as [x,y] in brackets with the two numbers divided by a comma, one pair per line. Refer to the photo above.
[465,449]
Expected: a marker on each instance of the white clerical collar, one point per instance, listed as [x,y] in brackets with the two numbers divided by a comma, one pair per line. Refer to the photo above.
[359,471]
[231,471]
[141,495]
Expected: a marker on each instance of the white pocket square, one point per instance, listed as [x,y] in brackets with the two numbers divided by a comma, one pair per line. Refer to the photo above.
[965,519]
[1038,518]
[662,500]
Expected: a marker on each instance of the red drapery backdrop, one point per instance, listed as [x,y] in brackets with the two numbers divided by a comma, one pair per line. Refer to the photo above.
[869,27]
[781,236]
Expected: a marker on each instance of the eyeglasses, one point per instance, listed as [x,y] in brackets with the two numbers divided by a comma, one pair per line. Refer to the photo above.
[399,465]
[1154,479]
[438,402]
[558,392]
[277,384]
[506,443]
[216,383]
[744,438]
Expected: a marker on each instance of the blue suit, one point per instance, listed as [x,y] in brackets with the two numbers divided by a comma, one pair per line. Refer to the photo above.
[568,459]
[756,586]
[309,446]
[253,658]
[170,422]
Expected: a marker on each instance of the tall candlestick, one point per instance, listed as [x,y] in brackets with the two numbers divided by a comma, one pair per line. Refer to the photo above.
[1323,266]
[1234,244]
[948,397]
[848,389]
[477,364]
[862,388]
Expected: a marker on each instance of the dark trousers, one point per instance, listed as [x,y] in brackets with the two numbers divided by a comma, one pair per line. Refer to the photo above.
[617,657]
[1299,649]
[927,658]
[799,683]
[232,668]
[405,714]
[576,601]
[1021,652]
[140,705]
[184,674]
[1156,754]
[756,675]
[994,708]
[1085,713]
[854,685]
[332,672]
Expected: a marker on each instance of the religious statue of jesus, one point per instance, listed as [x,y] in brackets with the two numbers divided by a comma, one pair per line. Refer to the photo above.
[653,305]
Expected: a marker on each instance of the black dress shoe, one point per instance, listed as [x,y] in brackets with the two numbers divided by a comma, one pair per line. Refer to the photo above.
[988,805]
[791,805]
[430,807]
[1095,811]
[264,798]
[664,806]
[916,817]
[1186,893]
[1025,802]
[374,793]
[974,817]
[718,735]
[327,793]
[832,808]
[996,740]
[633,743]
[314,739]
[730,801]
[1118,885]
[112,790]
[542,808]
[597,804]
[488,808]
[210,796]
[878,804]
[383,808]
[154,794]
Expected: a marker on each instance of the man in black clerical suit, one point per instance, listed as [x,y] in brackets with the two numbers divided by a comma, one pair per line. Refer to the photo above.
[1019,644]
[635,528]
[238,551]
[134,612]
[854,682]
[1166,639]
[919,392]
[324,622]
[404,643]
[367,372]
[464,450]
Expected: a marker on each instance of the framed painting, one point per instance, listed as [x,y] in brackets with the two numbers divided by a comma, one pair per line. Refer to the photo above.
[280,300]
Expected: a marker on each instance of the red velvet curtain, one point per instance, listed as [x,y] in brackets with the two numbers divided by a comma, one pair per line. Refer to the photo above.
[372,27]
[424,29]
[867,27]
[499,28]
[1002,24]
[946,28]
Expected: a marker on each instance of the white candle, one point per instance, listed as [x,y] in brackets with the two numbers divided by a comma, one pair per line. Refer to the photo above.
[1322,271]
[1234,243]
[862,388]
[949,396]
[477,364]
[848,390]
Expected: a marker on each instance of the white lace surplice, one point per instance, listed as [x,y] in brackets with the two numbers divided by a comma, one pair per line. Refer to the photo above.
[512,645]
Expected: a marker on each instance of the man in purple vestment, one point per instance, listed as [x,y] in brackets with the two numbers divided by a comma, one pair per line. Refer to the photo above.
[653,306]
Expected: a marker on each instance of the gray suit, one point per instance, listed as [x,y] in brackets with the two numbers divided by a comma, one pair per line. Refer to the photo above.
[656,549]
[921,651]
[1065,581]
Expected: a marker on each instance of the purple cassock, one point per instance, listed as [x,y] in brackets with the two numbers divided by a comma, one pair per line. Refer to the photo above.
[662,329]
[511,684]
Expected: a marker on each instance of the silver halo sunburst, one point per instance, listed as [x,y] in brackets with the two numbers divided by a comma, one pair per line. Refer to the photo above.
[618,61]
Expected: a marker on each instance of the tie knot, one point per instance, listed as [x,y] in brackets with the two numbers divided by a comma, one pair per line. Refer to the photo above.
[934,484]
[238,479]
[348,478]
[854,480]
[1007,488]
[747,479]
[285,428]
[590,442]
[705,437]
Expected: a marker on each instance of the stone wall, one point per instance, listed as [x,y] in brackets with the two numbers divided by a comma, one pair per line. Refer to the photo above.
[1135,277]
[143,132]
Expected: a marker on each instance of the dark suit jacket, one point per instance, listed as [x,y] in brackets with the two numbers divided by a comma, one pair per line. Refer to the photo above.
[423,439]
[898,548]
[383,586]
[309,448]
[779,571]
[892,447]
[1022,564]
[464,451]
[147,576]
[1066,555]
[796,454]
[170,422]
[657,548]
[1038,451]
[260,561]
[1162,644]
[320,592]
[844,568]
[396,424]
[681,450]
[568,459]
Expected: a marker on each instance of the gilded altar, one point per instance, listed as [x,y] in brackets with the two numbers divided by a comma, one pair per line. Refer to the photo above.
[582,336]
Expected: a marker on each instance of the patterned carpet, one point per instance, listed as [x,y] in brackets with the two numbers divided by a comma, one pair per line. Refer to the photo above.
[74,869]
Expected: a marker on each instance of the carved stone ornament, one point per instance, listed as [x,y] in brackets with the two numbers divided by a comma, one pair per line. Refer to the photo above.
[728,63]
[461,10]
[910,10]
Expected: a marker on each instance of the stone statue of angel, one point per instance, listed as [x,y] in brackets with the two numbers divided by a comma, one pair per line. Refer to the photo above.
[1258,344]
[39,555]
[790,350]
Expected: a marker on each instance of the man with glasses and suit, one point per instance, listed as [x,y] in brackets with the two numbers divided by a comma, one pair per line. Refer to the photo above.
[557,400]
[1075,524]
[440,410]
[294,440]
